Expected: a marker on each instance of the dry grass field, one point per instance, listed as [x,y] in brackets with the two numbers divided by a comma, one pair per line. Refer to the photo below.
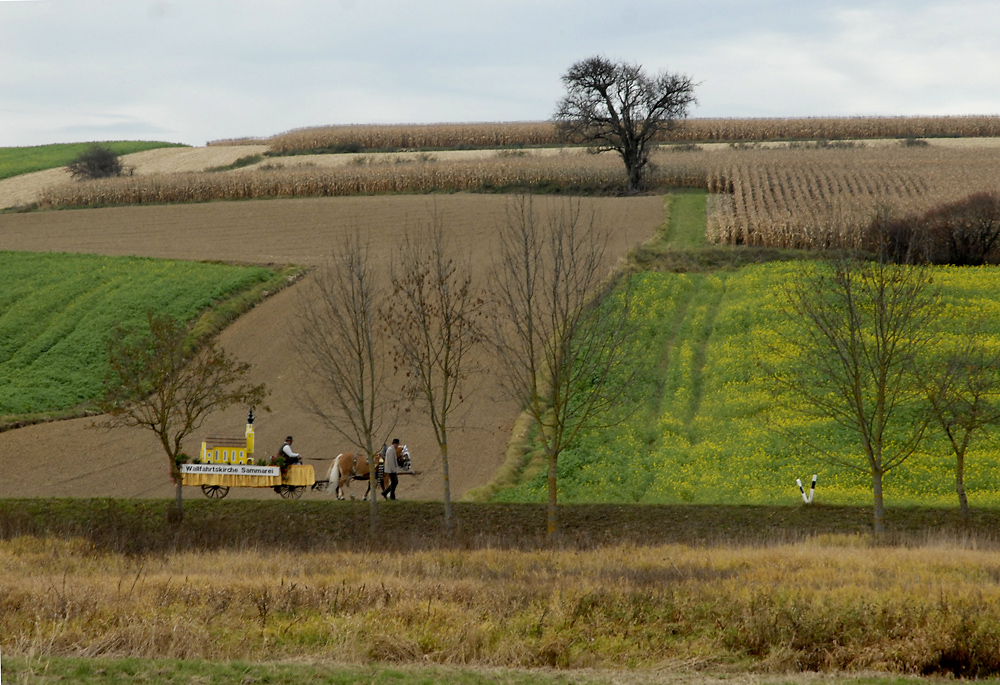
[833,604]
[25,189]
[70,458]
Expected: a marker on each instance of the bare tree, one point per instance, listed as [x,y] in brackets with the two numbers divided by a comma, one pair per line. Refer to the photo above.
[857,331]
[340,337]
[159,382]
[435,315]
[964,392]
[617,106]
[562,332]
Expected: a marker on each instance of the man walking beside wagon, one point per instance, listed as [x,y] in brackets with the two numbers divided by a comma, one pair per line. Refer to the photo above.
[393,467]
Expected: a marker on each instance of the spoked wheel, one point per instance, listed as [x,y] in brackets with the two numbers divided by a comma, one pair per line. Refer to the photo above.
[215,491]
[290,491]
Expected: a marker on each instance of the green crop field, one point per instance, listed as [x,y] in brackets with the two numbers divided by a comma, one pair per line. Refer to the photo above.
[56,312]
[15,161]
[706,427]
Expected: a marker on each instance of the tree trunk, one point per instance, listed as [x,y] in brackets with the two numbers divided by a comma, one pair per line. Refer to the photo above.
[376,488]
[632,169]
[551,518]
[178,497]
[448,521]
[963,501]
[879,523]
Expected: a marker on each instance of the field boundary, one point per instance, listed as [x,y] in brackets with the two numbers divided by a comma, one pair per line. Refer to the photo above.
[140,527]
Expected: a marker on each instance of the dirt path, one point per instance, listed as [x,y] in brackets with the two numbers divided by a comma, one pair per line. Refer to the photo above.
[71,458]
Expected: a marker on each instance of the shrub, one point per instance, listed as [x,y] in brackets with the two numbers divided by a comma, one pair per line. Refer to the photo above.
[965,233]
[96,162]
[899,240]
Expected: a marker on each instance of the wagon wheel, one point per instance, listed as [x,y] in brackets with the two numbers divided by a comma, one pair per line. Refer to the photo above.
[291,491]
[215,491]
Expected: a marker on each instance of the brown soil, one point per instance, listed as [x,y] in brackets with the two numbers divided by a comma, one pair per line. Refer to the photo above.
[74,458]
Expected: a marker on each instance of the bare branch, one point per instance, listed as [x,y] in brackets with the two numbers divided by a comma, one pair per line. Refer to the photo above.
[436,316]
[858,330]
[561,342]
[156,381]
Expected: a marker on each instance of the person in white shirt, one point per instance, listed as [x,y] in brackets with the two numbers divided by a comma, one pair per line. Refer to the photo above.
[286,451]
[393,466]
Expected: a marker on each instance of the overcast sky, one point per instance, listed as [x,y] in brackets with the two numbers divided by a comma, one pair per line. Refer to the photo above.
[191,71]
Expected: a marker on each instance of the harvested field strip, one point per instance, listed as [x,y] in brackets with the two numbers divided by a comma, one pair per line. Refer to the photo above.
[57,310]
[520,134]
[572,172]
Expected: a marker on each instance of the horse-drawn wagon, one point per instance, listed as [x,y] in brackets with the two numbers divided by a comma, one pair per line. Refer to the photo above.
[227,462]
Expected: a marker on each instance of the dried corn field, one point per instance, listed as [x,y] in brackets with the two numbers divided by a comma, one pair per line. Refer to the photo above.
[570,171]
[784,195]
[822,198]
[519,134]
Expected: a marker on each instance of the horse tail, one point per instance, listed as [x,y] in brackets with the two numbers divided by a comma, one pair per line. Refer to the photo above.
[333,478]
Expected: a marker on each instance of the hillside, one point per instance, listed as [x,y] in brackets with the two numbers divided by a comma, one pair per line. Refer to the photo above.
[72,458]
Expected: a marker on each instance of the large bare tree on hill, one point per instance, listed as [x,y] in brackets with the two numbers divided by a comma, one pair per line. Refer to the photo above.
[616,106]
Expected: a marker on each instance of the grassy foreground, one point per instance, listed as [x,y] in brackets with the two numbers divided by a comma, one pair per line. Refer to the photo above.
[300,582]
[105,671]
[15,161]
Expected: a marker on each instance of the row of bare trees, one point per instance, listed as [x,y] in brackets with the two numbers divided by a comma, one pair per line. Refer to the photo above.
[554,325]
[865,350]
[541,318]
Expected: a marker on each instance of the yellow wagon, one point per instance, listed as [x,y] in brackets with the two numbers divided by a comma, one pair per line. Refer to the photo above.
[227,462]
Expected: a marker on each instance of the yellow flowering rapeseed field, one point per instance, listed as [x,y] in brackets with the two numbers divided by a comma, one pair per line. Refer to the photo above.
[706,426]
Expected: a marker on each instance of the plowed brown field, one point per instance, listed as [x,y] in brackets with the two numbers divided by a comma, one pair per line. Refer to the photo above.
[72,458]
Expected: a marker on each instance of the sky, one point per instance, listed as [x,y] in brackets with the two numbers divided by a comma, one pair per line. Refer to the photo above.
[193,71]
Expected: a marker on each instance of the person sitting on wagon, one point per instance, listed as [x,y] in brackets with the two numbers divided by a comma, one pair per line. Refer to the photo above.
[286,451]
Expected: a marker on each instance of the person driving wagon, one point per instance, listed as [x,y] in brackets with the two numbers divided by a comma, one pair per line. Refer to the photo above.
[286,451]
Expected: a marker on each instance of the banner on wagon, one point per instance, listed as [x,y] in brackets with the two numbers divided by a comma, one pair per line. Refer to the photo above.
[231,470]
